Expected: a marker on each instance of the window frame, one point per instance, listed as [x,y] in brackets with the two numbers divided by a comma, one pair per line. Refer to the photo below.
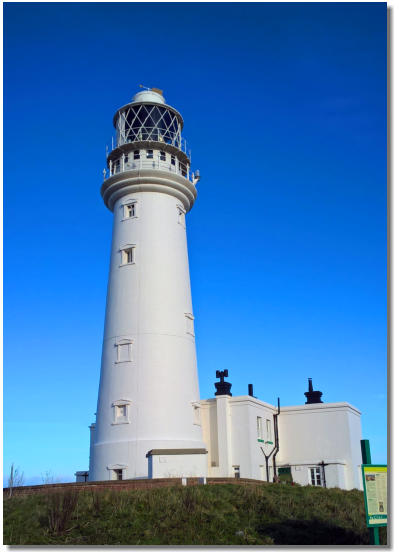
[124,419]
[125,251]
[120,343]
[189,324]
[317,474]
[259,429]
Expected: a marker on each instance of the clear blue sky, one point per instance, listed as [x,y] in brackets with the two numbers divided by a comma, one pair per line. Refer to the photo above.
[285,112]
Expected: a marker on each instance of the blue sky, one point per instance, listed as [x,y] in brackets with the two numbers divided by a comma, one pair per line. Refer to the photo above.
[285,112]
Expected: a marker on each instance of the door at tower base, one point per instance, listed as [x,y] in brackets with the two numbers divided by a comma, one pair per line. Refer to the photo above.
[175,463]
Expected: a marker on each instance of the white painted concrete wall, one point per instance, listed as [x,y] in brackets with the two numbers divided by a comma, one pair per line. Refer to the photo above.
[308,434]
[167,466]
[149,309]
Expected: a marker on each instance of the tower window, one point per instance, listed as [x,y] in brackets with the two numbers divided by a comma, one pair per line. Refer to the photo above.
[127,255]
[181,216]
[183,169]
[197,414]
[117,474]
[150,154]
[124,349]
[136,154]
[173,160]
[190,324]
[162,155]
[121,411]
[129,210]
[126,159]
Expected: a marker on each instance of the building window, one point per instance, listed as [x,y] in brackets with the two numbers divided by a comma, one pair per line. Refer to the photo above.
[121,411]
[126,158]
[183,169]
[116,166]
[197,414]
[128,255]
[259,429]
[189,324]
[236,471]
[117,471]
[173,160]
[136,154]
[315,476]
[162,155]
[118,474]
[124,350]
[150,154]
[181,216]
[268,430]
[129,210]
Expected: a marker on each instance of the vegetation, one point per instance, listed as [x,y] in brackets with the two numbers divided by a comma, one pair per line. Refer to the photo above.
[228,514]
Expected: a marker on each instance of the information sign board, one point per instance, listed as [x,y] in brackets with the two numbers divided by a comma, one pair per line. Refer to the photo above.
[375,494]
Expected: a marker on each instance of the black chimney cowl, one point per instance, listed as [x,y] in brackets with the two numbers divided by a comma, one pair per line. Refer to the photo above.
[222,387]
[312,396]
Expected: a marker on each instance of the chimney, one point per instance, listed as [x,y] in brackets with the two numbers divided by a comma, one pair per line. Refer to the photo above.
[312,396]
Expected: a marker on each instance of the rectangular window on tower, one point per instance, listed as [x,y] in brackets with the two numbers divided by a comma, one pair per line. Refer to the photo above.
[129,210]
[150,154]
[173,160]
[189,324]
[162,155]
[124,349]
[127,255]
[181,216]
[136,154]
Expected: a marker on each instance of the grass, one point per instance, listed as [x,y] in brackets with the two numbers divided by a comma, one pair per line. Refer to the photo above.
[225,514]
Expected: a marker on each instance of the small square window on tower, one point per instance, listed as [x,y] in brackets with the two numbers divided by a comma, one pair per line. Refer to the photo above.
[197,414]
[124,351]
[121,411]
[150,154]
[181,216]
[129,209]
[189,324]
[128,255]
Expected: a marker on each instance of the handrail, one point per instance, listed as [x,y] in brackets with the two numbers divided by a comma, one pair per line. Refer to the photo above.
[149,164]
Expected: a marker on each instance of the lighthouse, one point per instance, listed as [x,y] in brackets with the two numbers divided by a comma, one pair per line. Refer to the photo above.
[148,410]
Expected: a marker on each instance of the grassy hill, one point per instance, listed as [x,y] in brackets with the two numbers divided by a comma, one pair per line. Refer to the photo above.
[228,514]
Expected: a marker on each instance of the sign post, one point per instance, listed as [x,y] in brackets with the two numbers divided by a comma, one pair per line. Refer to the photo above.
[375,493]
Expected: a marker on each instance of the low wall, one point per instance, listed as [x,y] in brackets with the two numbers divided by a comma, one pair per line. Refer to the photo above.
[124,484]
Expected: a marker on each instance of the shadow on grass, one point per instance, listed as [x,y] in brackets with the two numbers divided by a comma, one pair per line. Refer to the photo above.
[298,532]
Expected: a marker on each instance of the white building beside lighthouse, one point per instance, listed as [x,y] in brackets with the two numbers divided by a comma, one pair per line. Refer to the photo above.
[148,395]
[150,421]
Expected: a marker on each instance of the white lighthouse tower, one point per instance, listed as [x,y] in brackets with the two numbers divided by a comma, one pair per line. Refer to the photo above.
[148,411]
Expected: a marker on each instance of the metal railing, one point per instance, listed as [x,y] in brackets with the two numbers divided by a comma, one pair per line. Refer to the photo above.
[148,164]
